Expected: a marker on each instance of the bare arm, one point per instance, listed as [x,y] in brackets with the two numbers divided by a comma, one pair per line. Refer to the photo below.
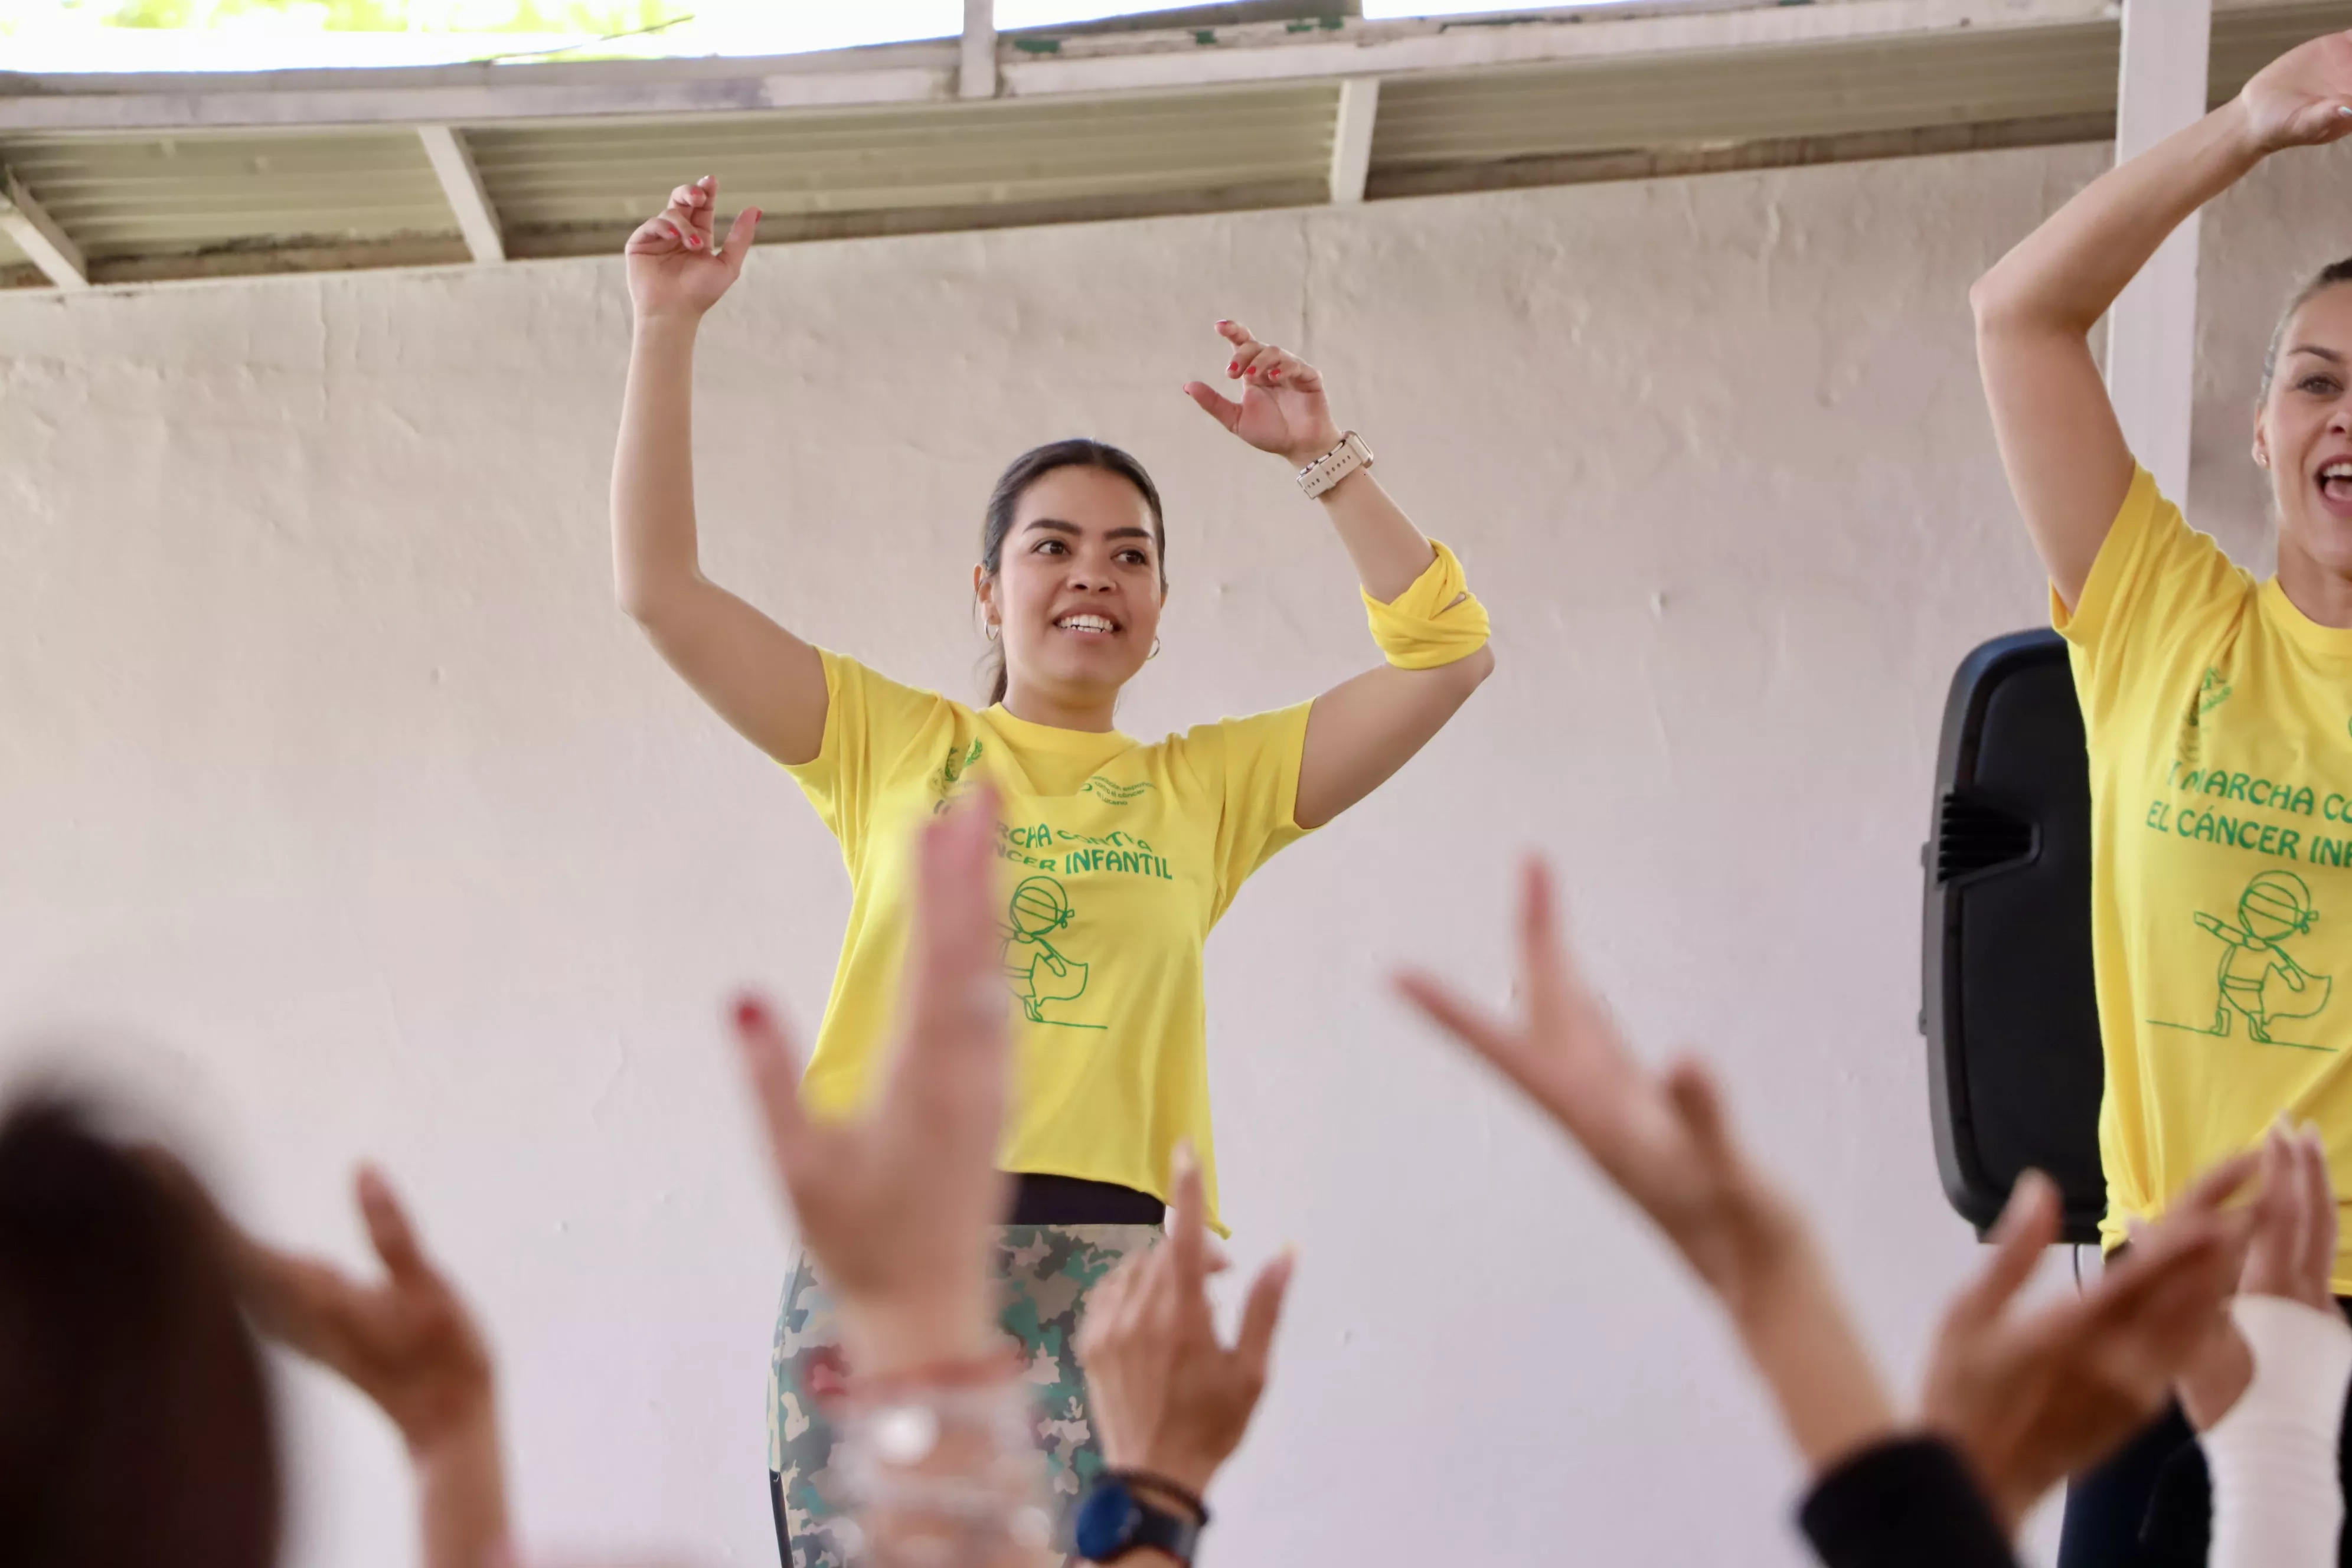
[1363,731]
[760,678]
[2066,455]
[2067,461]
[2019,1393]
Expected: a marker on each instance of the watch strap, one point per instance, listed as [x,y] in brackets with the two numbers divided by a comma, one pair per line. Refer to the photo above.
[1158,1529]
[1151,1480]
[1335,465]
[1140,1524]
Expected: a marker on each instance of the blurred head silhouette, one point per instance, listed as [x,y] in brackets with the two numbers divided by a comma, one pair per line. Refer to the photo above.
[135,1419]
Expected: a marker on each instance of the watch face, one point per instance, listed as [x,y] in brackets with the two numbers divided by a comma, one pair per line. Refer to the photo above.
[1106,1523]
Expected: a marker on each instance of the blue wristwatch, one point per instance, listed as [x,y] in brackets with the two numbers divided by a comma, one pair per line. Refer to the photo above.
[1114,1521]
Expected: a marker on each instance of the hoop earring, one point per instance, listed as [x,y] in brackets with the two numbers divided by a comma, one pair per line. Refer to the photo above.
[1155,650]
[990,631]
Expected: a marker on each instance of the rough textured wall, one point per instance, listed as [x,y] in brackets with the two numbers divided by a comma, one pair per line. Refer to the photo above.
[348,816]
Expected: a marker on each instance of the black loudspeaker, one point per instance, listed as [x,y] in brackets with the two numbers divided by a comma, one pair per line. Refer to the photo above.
[2012,1025]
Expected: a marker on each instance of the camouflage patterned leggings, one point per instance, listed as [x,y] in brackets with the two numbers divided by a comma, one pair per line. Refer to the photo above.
[1048,1271]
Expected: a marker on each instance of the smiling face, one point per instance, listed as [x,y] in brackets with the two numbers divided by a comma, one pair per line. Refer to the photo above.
[1076,592]
[2302,434]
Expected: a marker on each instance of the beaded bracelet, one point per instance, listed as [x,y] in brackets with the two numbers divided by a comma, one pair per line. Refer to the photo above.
[942,1474]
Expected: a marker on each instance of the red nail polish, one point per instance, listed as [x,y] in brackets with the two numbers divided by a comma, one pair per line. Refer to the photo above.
[749,1013]
[1234,368]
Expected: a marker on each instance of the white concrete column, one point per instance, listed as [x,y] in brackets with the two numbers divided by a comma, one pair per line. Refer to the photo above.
[2152,331]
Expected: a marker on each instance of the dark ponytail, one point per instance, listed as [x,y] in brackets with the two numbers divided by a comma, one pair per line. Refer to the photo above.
[1014,482]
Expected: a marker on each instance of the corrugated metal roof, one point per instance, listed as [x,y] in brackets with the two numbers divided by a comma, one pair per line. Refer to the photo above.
[944,156]
[2246,41]
[124,194]
[310,187]
[1827,90]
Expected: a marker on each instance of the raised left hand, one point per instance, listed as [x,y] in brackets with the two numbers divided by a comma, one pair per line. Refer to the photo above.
[1281,410]
[1170,1398]
[407,1341]
[1663,1138]
[2032,1395]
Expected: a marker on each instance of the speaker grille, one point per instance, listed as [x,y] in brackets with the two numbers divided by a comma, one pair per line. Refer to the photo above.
[1972,836]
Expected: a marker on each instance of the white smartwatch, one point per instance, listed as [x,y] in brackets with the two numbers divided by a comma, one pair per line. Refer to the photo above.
[1335,465]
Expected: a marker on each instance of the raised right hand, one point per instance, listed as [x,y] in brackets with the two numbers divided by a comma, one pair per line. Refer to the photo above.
[408,1340]
[899,1203]
[1170,1399]
[675,268]
[1663,1138]
[2303,98]
[2034,1394]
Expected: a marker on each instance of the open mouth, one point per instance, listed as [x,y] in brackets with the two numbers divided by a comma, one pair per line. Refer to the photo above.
[1087,624]
[2336,482]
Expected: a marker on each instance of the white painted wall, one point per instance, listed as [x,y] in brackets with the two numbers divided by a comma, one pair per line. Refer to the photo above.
[348,816]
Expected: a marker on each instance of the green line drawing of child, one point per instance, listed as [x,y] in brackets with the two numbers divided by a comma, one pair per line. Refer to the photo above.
[1038,971]
[2258,978]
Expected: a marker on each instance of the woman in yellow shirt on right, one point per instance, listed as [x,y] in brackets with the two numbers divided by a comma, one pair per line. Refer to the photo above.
[2219,713]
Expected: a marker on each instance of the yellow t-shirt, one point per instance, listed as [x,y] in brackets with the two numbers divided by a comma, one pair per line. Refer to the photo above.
[2220,723]
[1119,859]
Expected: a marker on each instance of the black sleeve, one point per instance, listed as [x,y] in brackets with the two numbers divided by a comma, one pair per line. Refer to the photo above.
[1909,1504]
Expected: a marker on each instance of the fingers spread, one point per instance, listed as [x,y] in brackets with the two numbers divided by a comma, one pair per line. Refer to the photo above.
[2317,1263]
[774,1070]
[957,995]
[2218,1185]
[1187,1223]
[296,1300]
[1500,1043]
[1698,1100]
[2190,1265]
[1223,410]
[393,1238]
[1544,968]
[1262,1314]
[2028,1224]
[739,235]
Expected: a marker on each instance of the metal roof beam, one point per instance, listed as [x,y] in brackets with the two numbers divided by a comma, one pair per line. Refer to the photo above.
[462,183]
[1351,137]
[36,234]
[1044,66]
[1279,51]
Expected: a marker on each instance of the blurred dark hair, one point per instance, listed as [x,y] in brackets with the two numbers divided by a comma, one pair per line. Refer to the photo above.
[135,1420]
[1029,467]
